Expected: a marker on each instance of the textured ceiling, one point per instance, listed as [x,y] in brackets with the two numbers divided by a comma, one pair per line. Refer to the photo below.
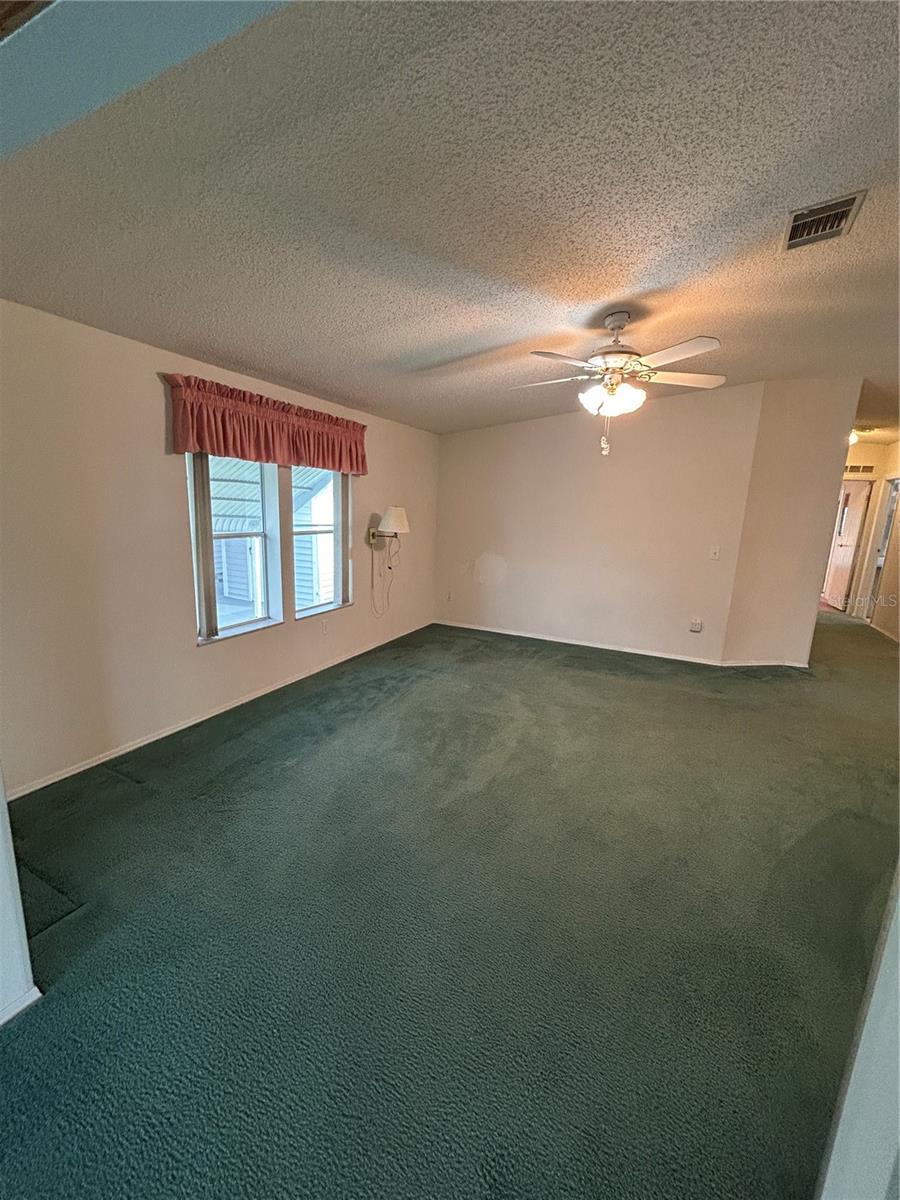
[349,198]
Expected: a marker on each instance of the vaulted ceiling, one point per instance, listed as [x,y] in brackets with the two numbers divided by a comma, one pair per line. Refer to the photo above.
[389,205]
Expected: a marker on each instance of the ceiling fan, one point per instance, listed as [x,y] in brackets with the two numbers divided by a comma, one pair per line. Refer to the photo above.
[614,370]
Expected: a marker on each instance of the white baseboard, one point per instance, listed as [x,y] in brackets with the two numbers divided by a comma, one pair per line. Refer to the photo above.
[116,751]
[762,662]
[65,772]
[24,1001]
[546,637]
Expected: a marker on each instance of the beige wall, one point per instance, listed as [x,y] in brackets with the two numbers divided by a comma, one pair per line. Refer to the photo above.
[801,444]
[98,635]
[538,534]
[868,454]
[862,1158]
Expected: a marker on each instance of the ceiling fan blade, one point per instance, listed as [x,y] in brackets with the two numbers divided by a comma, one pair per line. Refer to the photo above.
[576,362]
[684,379]
[544,382]
[697,345]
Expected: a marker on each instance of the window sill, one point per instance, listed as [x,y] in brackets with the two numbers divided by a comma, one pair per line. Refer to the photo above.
[237,630]
[319,609]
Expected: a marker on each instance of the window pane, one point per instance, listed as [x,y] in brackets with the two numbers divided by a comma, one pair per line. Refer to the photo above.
[313,569]
[236,493]
[240,580]
[313,493]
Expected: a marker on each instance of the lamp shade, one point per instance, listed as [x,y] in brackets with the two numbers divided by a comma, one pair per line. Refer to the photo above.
[394,520]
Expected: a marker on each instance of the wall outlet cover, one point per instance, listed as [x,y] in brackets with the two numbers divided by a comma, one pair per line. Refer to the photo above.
[696,625]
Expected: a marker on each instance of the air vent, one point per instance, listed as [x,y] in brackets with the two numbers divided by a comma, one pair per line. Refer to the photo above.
[858,470]
[822,222]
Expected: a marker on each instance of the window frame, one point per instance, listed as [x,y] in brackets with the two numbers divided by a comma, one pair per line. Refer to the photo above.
[340,530]
[203,541]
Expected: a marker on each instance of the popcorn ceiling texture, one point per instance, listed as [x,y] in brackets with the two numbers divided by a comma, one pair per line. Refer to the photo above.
[348,198]
[469,918]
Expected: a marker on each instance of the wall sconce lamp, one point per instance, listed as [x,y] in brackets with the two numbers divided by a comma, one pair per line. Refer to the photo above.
[391,525]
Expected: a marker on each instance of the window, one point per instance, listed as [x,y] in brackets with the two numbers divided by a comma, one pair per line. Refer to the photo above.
[238,546]
[321,570]
[237,557]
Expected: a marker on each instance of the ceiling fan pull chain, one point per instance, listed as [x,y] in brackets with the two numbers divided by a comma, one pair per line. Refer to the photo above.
[604,437]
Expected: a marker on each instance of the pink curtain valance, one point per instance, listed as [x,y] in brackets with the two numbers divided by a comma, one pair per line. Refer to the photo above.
[222,420]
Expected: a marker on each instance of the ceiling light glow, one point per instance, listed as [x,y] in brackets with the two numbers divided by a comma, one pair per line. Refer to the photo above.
[601,402]
[626,399]
[592,398]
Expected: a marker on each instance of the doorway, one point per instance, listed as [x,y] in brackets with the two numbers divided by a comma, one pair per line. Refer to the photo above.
[885,578]
[851,515]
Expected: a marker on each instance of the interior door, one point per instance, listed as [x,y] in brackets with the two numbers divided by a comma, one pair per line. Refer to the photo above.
[885,610]
[886,545]
[852,505]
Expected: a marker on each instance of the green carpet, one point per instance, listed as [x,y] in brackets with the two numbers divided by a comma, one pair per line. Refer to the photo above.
[468,917]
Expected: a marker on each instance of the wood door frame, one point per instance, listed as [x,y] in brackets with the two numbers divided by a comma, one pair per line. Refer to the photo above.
[862,580]
[890,482]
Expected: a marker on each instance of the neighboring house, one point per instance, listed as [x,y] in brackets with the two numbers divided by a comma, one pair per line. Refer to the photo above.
[239,539]
[313,555]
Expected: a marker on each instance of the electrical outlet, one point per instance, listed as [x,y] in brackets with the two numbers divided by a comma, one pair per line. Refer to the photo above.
[714,553]
[449,596]
[696,625]
[324,627]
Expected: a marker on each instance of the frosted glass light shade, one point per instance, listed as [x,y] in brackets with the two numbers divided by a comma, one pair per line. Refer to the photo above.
[394,520]
[598,402]
[592,398]
[627,399]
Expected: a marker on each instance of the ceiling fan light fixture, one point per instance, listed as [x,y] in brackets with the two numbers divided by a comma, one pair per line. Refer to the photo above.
[626,399]
[604,400]
[616,359]
[614,370]
[592,398]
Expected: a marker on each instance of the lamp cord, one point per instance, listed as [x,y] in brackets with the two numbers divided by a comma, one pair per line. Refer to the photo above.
[390,561]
